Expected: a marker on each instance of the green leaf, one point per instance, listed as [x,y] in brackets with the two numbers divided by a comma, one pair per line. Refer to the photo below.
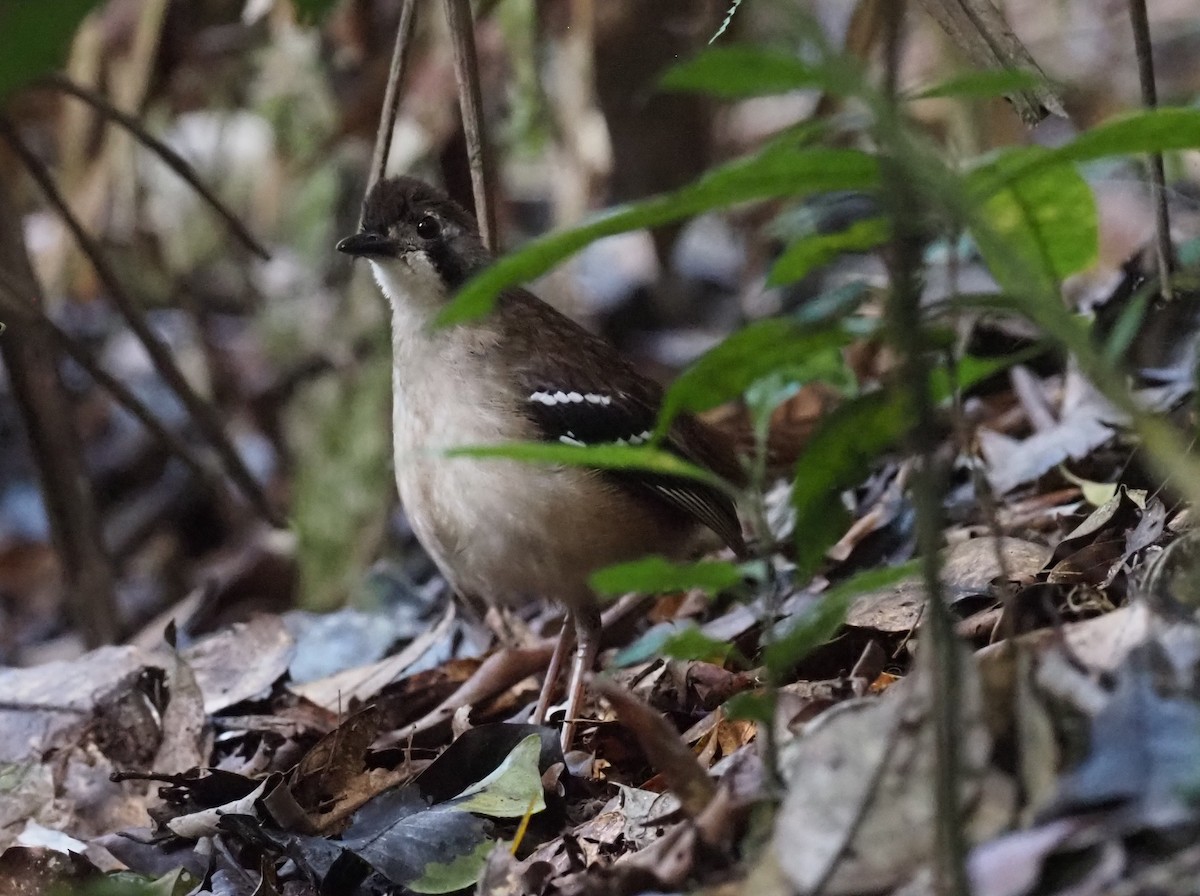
[835,304]
[754,706]
[648,645]
[821,622]
[779,172]
[734,72]
[35,36]
[970,370]
[1046,217]
[1152,130]
[747,356]
[846,445]
[449,877]
[679,641]
[513,789]
[813,251]
[1125,329]
[982,84]
[657,575]
[840,454]
[313,11]
[693,644]
[603,457]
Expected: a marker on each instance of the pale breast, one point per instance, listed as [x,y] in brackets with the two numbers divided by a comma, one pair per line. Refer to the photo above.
[506,530]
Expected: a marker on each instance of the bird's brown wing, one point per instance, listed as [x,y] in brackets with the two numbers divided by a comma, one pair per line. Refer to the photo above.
[596,397]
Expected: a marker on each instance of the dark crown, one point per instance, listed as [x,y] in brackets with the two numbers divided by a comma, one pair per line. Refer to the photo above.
[397,199]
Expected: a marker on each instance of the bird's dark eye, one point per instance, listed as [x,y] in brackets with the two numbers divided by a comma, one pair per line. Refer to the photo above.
[429,228]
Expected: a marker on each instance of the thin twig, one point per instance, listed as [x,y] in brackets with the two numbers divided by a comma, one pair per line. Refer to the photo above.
[908,336]
[1165,252]
[174,160]
[159,353]
[470,101]
[391,96]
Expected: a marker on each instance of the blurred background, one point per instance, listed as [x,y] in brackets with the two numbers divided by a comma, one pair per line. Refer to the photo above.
[275,105]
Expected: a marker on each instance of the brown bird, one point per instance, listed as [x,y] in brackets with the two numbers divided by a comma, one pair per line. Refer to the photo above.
[504,530]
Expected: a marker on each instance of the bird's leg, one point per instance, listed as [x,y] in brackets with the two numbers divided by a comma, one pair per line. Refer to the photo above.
[587,644]
[556,660]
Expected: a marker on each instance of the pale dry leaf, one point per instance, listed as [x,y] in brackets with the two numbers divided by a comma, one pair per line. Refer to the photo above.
[858,815]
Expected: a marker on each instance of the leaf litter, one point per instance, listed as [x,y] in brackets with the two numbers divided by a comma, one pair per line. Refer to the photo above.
[727,747]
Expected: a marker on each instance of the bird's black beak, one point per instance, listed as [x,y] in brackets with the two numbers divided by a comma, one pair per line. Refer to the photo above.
[366,243]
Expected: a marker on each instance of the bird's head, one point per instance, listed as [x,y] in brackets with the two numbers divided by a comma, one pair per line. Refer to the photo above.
[421,244]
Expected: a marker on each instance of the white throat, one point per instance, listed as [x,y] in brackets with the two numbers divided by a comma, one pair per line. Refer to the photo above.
[413,288]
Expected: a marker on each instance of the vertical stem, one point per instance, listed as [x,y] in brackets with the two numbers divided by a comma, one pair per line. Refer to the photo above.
[391,96]
[470,101]
[1164,251]
[31,361]
[906,333]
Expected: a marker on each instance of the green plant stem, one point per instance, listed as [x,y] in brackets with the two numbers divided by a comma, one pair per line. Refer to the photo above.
[907,334]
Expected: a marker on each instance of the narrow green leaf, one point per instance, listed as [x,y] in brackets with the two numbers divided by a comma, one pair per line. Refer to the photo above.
[748,355]
[734,72]
[35,36]
[970,370]
[813,251]
[1146,131]
[649,645]
[839,455]
[1151,130]
[693,644]
[821,622]
[834,305]
[848,442]
[779,172]
[657,575]
[982,84]
[1127,324]
[677,641]
[603,457]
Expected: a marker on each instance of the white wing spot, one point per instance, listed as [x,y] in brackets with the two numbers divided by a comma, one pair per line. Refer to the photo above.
[639,439]
[552,398]
[569,439]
